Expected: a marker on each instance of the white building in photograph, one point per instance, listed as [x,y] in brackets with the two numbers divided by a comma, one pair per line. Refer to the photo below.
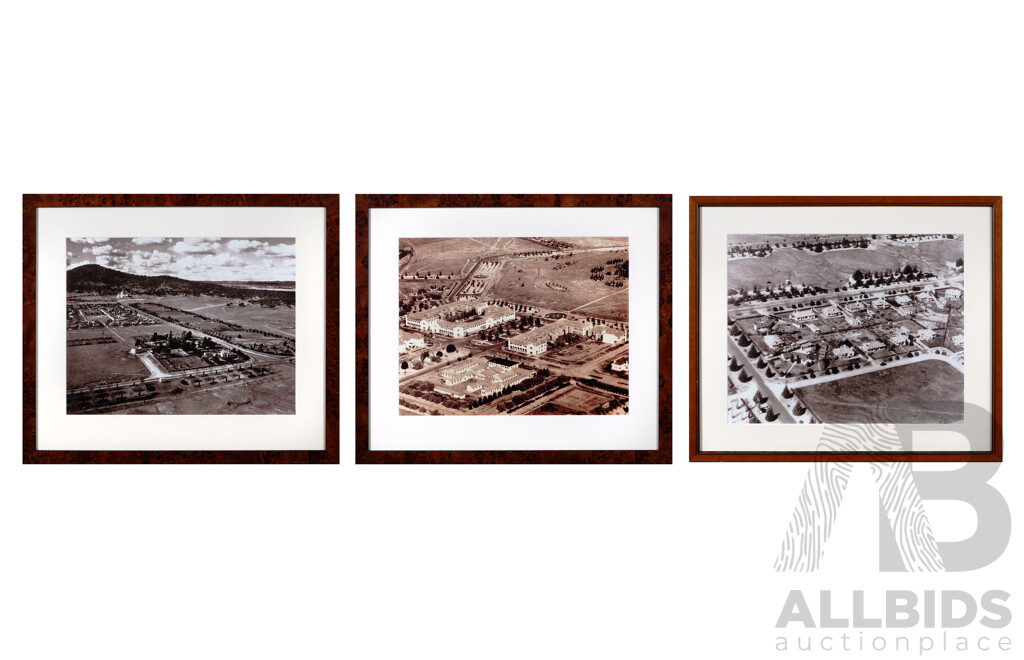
[622,365]
[806,350]
[409,342]
[612,336]
[479,377]
[459,319]
[831,312]
[535,342]
[804,315]
[608,335]
[843,351]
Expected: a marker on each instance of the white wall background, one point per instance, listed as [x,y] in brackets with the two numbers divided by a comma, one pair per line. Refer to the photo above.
[471,562]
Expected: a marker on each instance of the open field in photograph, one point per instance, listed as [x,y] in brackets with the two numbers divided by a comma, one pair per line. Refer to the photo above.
[102,362]
[250,394]
[928,392]
[564,284]
[833,268]
[575,401]
[456,255]
[280,318]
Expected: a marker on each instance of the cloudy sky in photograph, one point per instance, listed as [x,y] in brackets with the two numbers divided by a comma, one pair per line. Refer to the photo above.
[193,258]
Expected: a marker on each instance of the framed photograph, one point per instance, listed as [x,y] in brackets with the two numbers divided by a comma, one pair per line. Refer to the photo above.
[517,319]
[181,329]
[845,328]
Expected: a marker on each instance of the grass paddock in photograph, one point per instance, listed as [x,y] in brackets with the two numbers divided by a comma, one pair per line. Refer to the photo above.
[579,401]
[107,362]
[833,268]
[927,392]
[280,318]
[542,283]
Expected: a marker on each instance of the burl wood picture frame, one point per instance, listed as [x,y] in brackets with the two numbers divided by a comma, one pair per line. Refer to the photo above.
[296,432]
[500,216]
[844,329]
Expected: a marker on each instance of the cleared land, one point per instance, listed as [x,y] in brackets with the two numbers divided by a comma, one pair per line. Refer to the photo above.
[928,392]
[272,394]
[458,255]
[550,283]
[93,363]
[278,319]
[574,401]
[107,362]
[832,268]
[596,241]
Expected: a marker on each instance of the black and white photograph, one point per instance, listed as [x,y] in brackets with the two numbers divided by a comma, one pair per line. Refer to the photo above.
[826,342]
[513,326]
[181,325]
[845,328]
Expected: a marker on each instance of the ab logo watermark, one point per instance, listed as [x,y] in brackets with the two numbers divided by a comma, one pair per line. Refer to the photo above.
[906,544]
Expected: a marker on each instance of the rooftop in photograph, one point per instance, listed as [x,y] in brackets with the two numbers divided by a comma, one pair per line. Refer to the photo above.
[554,329]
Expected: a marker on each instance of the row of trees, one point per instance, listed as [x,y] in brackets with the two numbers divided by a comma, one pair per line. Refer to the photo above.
[432,275]
[750,250]
[841,244]
[527,390]
[568,339]
[530,390]
[770,293]
[909,273]
[614,389]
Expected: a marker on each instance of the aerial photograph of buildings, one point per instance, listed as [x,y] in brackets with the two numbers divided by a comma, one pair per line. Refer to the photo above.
[188,326]
[845,328]
[513,326]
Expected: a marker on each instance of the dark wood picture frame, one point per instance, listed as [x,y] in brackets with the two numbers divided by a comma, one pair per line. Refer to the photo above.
[364,203]
[698,455]
[330,454]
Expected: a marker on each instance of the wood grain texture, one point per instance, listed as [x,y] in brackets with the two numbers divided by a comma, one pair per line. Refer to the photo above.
[995,203]
[366,202]
[330,454]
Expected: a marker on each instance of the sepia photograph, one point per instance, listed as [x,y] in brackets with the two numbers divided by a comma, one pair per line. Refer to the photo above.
[513,326]
[845,328]
[181,325]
